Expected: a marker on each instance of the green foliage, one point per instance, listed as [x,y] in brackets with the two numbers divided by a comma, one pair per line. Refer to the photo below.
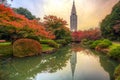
[117,73]
[115,52]
[46,47]
[95,43]
[105,43]
[7,32]
[30,66]
[87,42]
[33,37]
[110,26]
[58,27]
[61,41]
[5,43]
[10,33]
[24,12]
[26,47]
[5,49]
[51,43]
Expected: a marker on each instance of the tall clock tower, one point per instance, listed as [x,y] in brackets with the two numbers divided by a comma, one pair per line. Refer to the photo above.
[73,18]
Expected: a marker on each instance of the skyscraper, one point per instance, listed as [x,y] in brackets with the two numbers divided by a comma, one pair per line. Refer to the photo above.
[73,18]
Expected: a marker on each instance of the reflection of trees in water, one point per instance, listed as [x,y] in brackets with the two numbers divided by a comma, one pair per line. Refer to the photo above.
[76,47]
[3,75]
[108,64]
[73,62]
[25,68]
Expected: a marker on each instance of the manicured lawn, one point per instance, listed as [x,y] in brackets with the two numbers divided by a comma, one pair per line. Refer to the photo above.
[46,47]
[6,48]
[5,43]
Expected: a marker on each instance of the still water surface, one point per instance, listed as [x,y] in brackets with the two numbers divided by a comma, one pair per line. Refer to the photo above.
[68,63]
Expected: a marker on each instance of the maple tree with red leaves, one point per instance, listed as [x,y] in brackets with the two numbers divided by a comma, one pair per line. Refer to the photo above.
[8,18]
[91,34]
[57,25]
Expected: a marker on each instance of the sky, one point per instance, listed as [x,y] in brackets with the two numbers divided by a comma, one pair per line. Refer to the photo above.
[90,12]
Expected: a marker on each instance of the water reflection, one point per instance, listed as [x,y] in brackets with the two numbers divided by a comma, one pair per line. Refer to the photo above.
[75,63]
[27,68]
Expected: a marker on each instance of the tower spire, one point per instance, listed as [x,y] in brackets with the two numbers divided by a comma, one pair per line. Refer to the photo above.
[73,18]
[73,8]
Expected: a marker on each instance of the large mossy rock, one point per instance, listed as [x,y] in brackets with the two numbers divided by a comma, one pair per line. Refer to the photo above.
[26,47]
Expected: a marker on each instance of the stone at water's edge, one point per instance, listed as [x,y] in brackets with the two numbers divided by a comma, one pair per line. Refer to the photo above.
[26,47]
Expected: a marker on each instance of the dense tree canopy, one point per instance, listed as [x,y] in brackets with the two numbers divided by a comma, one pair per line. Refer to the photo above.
[13,23]
[91,34]
[24,12]
[110,26]
[57,26]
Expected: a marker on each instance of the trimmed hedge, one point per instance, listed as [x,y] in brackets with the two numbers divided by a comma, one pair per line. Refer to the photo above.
[101,44]
[115,52]
[61,41]
[26,47]
[50,43]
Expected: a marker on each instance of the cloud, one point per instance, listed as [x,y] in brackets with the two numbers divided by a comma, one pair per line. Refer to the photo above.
[90,12]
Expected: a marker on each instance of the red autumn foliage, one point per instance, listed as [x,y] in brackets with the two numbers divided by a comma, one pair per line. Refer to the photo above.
[9,18]
[52,23]
[91,34]
[23,48]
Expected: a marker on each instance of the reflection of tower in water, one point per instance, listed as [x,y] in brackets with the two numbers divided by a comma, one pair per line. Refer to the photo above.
[73,61]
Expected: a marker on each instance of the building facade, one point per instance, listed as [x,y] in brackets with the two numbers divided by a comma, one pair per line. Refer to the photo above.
[73,18]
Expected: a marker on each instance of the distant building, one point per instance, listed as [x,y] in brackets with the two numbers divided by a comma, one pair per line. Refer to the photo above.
[73,18]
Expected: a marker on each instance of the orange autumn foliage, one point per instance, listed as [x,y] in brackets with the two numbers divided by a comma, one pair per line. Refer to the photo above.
[9,18]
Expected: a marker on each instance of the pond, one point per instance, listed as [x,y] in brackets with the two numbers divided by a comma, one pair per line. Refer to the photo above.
[68,63]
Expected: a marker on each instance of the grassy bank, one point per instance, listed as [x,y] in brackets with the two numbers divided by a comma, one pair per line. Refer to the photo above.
[5,49]
[108,47]
[46,47]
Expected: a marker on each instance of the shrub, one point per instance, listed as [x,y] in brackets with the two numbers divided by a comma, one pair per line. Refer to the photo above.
[101,43]
[115,52]
[87,42]
[34,37]
[104,44]
[117,73]
[61,41]
[107,42]
[50,43]
[26,47]
[94,44]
